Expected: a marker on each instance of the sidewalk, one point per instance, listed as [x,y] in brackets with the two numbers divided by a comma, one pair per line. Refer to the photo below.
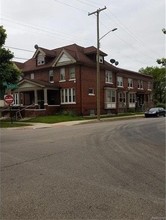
[71,123]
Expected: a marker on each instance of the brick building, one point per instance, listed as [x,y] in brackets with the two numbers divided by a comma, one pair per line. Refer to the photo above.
[64,79]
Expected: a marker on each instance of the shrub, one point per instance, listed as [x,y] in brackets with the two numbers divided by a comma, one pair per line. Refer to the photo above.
[162,105]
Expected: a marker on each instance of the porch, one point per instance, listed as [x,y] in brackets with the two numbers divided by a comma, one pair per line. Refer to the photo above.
[36,98]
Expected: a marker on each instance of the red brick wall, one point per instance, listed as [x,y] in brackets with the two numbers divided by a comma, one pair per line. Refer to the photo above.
[85,79]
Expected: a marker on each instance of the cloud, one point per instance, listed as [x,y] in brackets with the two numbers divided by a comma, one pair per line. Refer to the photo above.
[137,43]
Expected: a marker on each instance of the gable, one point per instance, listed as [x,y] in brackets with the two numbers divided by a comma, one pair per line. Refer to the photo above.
[27,85]
[64,59]
[38,52]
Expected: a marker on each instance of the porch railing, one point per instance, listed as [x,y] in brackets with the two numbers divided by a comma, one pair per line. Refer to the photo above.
[18,113]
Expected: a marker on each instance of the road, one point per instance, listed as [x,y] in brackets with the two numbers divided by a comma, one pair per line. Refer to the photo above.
[106,170]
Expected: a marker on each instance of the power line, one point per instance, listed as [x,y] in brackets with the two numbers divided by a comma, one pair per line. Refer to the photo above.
[59,35]
[20,58]
[63,3]
[16,48]
[127,30]
[87,3]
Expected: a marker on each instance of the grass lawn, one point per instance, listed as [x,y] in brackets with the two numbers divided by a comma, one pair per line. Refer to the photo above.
[7,124]
[54,119]
[41,119]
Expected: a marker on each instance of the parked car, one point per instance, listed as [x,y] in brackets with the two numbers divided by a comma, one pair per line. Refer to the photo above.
[155,112]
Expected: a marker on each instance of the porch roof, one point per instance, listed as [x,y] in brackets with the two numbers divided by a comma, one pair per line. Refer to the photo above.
[37,83]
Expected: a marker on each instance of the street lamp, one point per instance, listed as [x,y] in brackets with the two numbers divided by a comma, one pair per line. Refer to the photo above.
[98,67]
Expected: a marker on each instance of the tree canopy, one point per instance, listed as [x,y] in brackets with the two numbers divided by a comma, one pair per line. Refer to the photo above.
[159,82]
[9,73]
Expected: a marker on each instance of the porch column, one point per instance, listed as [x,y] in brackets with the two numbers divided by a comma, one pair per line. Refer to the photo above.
[35,96]
[45,97]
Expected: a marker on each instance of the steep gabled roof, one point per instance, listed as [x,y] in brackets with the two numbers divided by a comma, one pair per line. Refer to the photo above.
[93,50]
[19,65]
[78,53]
[120,70]
[75,53]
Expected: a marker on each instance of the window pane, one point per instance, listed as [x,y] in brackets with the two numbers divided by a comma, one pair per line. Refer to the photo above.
[108,76]
[69,95]
[72,72]
[62,74]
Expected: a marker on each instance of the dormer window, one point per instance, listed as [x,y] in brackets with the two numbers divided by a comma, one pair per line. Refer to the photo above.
[101,59]
[40,59]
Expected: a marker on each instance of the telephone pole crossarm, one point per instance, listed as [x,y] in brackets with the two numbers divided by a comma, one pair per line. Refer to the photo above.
[97,11]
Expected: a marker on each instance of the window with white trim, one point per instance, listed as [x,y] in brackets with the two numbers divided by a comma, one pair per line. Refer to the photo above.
[140,84]
[62,74]
[149,86]
[32,76]
[68,96]
[122,97]
[91,91]
[132,98]
[72,72]
[108,76]
[101,59]
[16,99]
[40,59]
[51,76]
[130,83]
[120,81]
[110,96]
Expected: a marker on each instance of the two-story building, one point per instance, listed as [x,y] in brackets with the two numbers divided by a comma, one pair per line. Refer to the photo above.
[64,79]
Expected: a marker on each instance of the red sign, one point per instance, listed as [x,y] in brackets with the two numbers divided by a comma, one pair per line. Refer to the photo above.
[9,99]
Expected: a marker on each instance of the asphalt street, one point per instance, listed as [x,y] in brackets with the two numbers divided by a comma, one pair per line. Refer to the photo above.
[107,170]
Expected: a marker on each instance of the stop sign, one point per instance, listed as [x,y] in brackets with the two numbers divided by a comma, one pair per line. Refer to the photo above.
[9,99]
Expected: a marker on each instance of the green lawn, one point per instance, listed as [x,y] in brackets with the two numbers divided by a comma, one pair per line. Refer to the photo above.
[41,119]
[7,124]
[54,119]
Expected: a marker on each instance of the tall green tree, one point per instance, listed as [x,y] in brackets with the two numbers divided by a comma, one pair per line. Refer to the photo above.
[8,71]
[159,82]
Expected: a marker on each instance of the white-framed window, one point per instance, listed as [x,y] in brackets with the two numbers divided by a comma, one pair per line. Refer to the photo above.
[68,96]
[108,76]
[16,99]
[62,74]
[51,76]
[132,98]
[91,91]
[149,86]
[40,59]
[72,73]
[101,59]
[120,81]
[122,97]
[32,76]
[110,96]
[140,84]
[130,83]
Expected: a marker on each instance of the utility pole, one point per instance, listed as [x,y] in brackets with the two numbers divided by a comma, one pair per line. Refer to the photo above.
[98,64]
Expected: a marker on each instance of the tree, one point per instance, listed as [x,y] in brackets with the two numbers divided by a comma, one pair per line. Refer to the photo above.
[9,73]
[159,82]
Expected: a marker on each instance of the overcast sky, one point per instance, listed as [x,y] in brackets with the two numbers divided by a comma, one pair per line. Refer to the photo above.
[138,42]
